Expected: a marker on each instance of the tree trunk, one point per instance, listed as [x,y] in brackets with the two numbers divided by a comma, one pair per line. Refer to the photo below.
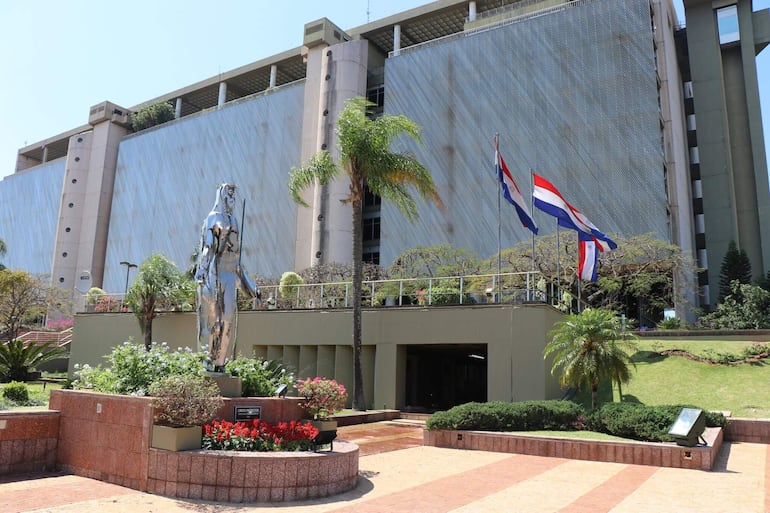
[358,377]
[148,333]
[594,395]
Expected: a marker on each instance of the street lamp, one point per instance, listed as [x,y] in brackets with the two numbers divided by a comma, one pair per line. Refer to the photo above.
[129,266]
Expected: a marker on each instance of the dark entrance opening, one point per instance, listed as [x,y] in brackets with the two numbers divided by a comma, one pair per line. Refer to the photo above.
[439,376]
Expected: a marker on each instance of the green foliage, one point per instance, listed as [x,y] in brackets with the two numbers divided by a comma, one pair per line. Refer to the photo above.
[764,281]
[152,115]
[503,416]
[589,347]
[93,295]
[365,157]
[16,392]
[746,307]
[289,284]
[259,377]
[132,369]
[184,400]
[672,323]
[640,422]
[433,261]
[735,266]
[17,358]
[24,298]
[158,286]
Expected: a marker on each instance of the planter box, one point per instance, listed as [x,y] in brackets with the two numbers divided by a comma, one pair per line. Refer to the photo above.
[176,438]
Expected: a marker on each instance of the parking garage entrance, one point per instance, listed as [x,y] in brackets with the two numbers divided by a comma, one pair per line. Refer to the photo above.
[439,376]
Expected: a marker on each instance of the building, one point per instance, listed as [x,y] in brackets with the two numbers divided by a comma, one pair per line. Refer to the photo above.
[599,96]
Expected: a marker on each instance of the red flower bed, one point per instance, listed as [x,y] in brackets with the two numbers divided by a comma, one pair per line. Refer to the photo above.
[256,435]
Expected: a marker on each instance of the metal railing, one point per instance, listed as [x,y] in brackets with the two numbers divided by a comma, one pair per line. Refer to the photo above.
[506,288]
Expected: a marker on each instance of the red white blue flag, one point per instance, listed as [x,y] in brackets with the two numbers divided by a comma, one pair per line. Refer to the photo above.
[511,191]
[588,256]
[548,199]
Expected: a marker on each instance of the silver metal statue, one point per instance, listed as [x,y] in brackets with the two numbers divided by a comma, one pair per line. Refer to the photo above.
[218,274]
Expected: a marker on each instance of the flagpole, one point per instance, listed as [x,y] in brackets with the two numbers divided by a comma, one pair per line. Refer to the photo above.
[532,209]
[558,265]
[499,229]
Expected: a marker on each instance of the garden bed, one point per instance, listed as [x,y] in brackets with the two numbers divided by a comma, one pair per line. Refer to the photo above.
[107,437]
[628,452]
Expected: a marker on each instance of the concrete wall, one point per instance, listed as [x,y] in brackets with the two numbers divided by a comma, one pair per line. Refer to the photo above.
[318,342]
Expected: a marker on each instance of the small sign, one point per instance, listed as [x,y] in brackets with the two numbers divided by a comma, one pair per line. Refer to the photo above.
[247,413]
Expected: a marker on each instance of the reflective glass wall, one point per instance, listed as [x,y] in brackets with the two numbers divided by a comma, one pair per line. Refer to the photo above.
[29,212]
[167,178]
[574,97]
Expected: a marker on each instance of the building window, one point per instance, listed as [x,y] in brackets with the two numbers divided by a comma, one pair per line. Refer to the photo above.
[371,257]
[371,229]
[727,22]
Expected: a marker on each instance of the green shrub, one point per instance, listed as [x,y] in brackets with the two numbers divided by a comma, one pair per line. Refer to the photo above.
[259,377]
[16,392]
[641,422]
[185,400]
[503,416]
[132,369]
[151,116]
[672,323]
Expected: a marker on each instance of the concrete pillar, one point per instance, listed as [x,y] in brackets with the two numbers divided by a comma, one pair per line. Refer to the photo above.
[178,108]
[471,11]
[396,39]
[222,94]
[273,74]
[45,153]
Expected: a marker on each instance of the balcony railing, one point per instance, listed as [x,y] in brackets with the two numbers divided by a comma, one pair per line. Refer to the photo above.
[424,291]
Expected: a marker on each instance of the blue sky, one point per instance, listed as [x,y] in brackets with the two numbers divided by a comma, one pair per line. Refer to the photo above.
[59,58]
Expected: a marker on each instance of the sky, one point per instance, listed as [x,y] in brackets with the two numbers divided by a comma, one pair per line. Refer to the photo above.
[59,58]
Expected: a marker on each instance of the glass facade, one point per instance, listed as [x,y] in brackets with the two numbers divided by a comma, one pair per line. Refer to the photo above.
[574,97]
[167,177]
[29,210]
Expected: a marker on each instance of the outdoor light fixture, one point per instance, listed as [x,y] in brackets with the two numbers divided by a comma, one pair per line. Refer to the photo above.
[689,427]
[281,390]
[129,266]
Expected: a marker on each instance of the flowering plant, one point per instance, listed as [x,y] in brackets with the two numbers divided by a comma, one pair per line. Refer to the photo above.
[256,435]
[323,397]
[182,401]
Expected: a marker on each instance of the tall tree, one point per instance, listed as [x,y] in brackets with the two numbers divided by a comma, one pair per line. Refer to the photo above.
[23,298]
[735,266]
[365,158]
[158,286]
[588,347]
[3,251]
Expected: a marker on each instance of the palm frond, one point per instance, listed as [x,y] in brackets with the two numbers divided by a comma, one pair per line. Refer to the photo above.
[320,168]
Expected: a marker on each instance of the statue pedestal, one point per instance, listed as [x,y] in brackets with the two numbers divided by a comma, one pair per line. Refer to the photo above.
[229,386]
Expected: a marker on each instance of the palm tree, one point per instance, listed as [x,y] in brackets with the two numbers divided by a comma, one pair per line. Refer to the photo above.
[365,158]
[588,347]
[158,286]
[3,251]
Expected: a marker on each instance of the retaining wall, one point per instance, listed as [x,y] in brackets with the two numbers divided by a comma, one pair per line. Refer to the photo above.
[229,476]
[637,453]
[28,441]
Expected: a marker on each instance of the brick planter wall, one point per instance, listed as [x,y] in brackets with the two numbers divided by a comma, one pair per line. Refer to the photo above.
[107,437]
[28,441]
[229,476]
[104,436]
[637,453]
[748,430]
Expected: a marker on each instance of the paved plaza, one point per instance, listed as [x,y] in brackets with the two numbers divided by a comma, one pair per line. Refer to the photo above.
[398,474]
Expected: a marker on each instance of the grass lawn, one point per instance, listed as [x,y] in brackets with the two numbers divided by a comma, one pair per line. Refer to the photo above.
[38,395]
[744,389]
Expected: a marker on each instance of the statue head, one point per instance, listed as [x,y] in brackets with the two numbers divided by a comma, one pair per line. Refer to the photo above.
[225,201]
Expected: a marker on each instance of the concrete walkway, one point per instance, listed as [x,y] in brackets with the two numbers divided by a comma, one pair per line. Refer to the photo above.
[398,474]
